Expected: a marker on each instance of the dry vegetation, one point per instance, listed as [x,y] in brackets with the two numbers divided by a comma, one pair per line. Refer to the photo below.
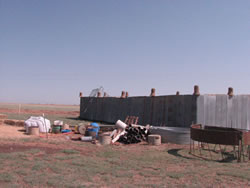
[58,162]
[61,163]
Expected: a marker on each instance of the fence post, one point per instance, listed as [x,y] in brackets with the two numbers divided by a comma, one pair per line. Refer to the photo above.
[123,95]
[196,90]
[99,94]
[126,94]
[230,92]
[152,92]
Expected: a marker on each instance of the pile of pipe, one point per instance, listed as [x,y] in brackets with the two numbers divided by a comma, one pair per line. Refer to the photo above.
[129,134]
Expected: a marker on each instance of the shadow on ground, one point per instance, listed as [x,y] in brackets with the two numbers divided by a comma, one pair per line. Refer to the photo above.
[176,153]
[227,156]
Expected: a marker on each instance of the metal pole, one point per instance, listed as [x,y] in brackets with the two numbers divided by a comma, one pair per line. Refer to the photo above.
[45,127]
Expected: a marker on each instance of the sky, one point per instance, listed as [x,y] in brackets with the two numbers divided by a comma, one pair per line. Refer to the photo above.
[50,50]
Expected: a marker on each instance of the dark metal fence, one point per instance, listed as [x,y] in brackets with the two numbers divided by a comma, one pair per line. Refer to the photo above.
[175,111]
[172,111]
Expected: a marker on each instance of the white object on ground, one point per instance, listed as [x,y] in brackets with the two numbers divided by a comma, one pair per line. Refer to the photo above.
[120,125]
[44,126]
[86,138]
[58,122]
[113,133]
[118,136]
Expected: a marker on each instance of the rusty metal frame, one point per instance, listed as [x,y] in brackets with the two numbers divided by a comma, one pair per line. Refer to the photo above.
[220,136]
[131,120]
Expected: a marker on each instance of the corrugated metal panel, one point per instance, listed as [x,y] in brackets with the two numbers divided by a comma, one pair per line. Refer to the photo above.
[243,111]
[235,112]
[200,110]
[210,105]
[221,111]
[224,111]
[229,112]
[248,113]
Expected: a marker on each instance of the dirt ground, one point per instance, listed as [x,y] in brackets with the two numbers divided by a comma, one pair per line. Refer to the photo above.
[65,161]
[38,162]
[12,132]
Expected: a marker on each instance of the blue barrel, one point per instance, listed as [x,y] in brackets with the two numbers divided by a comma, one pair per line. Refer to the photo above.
[95,128]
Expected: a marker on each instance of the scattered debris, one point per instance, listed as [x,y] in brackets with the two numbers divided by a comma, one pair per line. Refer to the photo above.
[134,134]
[86,138]
[116,135]
[131,120]
[82,129]
[129,134]
[65,130]
[93,130]
[65,126]
[120,125]
[58,122]
[56,129]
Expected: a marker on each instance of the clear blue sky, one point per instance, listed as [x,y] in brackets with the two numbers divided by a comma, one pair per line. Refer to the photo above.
[50,50]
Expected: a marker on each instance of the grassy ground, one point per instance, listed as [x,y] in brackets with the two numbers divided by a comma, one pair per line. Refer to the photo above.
[69,114]
[27,110]
[40,107]
[58,163]
[66,119]
[64,163]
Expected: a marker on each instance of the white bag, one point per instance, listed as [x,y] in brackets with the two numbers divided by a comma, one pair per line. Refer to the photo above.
[33,121]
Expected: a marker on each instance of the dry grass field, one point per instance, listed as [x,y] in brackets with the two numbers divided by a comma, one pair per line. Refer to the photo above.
[68,113]
[60,162]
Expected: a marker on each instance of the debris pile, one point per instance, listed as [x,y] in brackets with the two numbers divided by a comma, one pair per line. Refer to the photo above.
[134,135]
[129,134]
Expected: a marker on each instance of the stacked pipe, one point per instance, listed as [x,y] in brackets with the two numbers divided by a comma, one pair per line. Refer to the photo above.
[134,134]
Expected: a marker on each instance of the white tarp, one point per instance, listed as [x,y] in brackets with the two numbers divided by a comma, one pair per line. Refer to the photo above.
[42,123]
